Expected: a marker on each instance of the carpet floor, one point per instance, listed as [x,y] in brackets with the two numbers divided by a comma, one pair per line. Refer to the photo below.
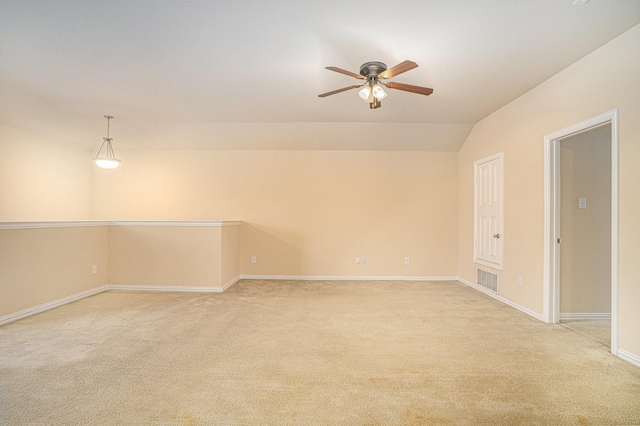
[308,353]
[600,330]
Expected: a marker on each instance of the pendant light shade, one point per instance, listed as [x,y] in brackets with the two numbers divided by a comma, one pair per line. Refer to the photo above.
[107,159]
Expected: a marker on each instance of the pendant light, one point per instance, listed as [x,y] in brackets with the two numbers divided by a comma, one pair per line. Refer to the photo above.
[107,160]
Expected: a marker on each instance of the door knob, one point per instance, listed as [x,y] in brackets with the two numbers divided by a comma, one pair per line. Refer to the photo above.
[496,235]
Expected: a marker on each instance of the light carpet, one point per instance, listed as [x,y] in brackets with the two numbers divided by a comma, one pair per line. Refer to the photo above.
[599,330]
[307,353]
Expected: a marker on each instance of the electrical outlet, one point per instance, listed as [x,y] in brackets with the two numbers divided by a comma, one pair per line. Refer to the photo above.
[357,260]
[253,259]
[94,269]
[519,281]
[363,260]
[406,260]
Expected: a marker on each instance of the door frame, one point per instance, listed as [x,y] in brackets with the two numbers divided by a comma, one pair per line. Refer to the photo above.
[551,289]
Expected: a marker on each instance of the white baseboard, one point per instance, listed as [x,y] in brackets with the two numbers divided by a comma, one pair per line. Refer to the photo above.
[230,283]
[629,357]
[501,299]
[50,305]
[173,288]
[585,317]
[165,288]
[343,278]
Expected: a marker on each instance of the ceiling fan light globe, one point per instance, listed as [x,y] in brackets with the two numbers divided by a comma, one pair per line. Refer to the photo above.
[365,93]
[378,92]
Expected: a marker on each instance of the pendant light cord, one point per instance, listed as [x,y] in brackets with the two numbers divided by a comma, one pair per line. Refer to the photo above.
[108,117]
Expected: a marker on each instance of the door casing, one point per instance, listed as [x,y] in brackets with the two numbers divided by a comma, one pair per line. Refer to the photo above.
[551,289]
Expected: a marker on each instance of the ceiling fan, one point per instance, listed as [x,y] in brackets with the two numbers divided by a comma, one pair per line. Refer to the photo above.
[373,73]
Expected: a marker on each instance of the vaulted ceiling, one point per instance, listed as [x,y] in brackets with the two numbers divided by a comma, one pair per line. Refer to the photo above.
[245,75]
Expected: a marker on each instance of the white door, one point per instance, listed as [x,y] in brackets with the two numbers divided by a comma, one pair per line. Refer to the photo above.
[488,212]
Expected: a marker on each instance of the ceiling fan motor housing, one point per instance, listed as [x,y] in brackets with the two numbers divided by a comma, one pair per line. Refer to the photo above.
[374,68]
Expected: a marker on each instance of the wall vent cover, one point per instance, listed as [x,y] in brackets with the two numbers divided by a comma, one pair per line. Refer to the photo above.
[488,280]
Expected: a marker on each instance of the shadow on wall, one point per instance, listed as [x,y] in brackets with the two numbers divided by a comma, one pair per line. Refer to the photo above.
[276,252]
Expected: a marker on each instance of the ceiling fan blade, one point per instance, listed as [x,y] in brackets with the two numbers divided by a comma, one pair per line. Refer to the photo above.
[333,92]
[398,69]
[345,72]
[409,88]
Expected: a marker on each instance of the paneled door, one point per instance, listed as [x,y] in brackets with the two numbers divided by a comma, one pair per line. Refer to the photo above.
[488,211]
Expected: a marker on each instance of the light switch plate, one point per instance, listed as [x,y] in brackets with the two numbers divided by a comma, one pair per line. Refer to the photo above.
[582,203]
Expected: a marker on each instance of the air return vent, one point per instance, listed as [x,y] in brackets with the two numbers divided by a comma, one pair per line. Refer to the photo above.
[488,280]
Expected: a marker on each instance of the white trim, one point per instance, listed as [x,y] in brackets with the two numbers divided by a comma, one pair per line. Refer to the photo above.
[342,278]
[501,299]
[57,224]
[585,317]
[164,288]
[629,357]
[486,263]
[230,283]
[551,290]
[85,223]
[50,305]
[178,223]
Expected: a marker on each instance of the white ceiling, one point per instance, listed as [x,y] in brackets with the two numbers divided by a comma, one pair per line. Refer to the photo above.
[246,74]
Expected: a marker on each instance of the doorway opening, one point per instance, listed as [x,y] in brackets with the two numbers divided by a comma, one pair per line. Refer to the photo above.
[552,302]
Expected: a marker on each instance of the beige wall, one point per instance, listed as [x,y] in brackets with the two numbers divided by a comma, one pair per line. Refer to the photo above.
[38,266]
[165,256]
[585,252]
[606,79]
[230,254]
[42,178]
[305,212]
[55,261]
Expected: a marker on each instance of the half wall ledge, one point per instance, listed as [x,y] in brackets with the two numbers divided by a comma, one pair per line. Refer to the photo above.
[84,223]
